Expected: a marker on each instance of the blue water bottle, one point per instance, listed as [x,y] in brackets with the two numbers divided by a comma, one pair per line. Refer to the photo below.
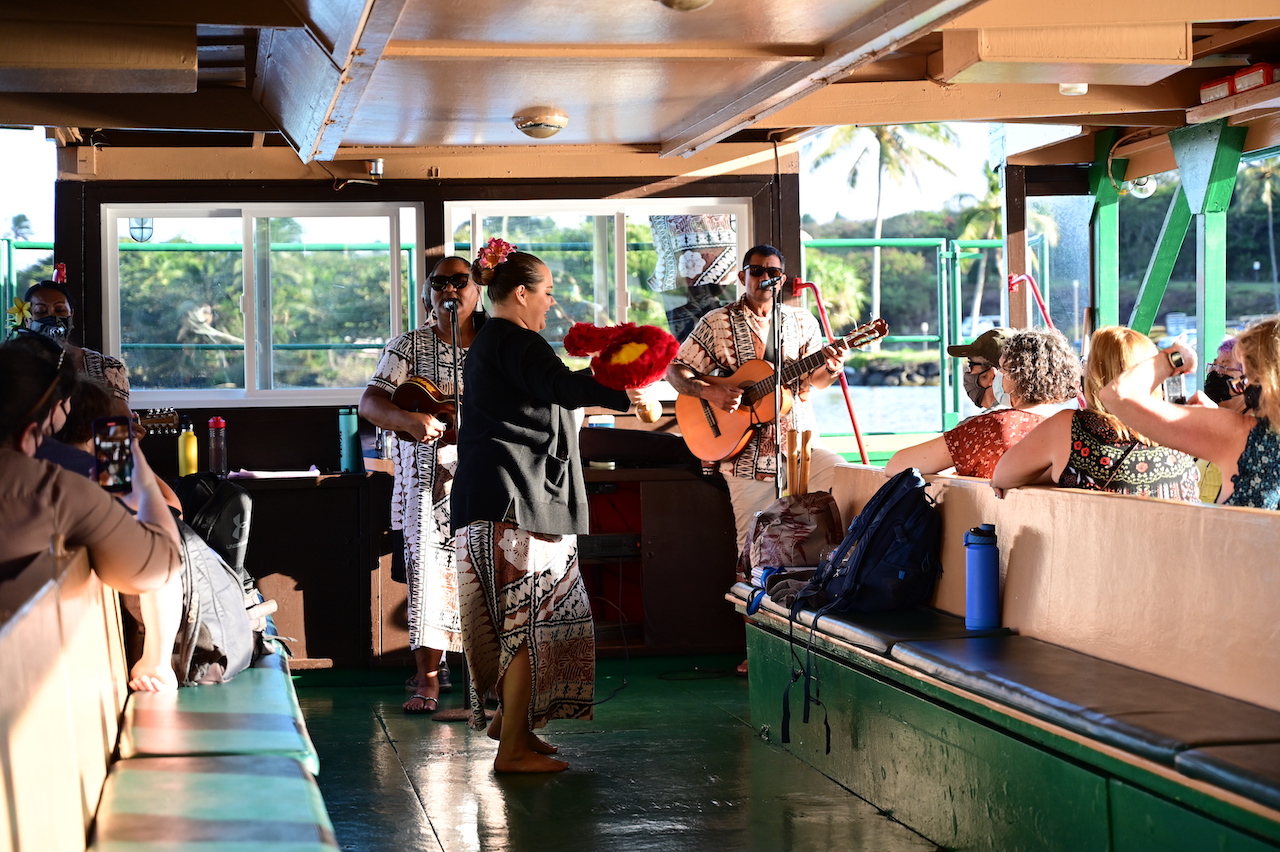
[349,441]
[982,578]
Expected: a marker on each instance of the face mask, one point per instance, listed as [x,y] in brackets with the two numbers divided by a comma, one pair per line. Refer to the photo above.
[1217,386]
[56,327]
[997,387]
[1252,397]
[972,389]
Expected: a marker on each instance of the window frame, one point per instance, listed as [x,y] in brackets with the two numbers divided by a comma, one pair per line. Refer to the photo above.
[115,218]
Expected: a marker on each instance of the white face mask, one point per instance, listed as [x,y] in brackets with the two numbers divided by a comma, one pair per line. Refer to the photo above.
[997,388]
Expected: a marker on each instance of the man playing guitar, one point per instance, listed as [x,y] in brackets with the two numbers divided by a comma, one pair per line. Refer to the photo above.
[727,338]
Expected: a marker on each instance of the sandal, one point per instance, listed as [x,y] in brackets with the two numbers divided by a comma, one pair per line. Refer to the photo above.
[429,705]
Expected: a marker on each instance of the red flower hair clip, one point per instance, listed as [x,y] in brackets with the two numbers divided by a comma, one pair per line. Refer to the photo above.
[494,252]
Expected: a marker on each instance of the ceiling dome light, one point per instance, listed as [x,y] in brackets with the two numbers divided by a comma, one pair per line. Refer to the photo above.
[686,5]
[1143,187]
[540,122]
[1071,89]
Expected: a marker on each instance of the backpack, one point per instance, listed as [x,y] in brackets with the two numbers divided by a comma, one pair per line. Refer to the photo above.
[220,511]
[889,557]
[216,640]
[888,560]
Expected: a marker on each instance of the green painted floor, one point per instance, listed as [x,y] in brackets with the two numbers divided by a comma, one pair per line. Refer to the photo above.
[670,763]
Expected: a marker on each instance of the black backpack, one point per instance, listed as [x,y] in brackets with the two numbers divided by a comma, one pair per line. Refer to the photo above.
[220,511]
[888,560]
[216,640]
[889,557]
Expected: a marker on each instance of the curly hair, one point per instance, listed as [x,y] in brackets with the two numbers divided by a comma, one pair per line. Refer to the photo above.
[519,269]
[1042,366]
[1258,350]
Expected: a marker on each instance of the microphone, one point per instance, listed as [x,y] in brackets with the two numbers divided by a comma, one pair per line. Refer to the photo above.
[770,283]
[451,305]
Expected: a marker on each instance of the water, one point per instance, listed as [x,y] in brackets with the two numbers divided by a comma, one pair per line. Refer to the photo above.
[882,409]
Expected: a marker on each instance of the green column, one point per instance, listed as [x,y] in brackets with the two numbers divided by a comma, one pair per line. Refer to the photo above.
[1105,227]
[1156,279]
[1208,157]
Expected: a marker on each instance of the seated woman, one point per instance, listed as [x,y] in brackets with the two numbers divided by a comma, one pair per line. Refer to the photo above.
[1038,371]
[1091,448]
[1245,449]
[38,499]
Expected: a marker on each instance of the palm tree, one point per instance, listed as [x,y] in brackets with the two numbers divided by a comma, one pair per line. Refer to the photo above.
[891,148]
[1259,181]
[21,229]
[981,219]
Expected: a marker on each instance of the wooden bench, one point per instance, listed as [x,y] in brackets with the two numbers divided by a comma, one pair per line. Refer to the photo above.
[1138,707]
[218,763]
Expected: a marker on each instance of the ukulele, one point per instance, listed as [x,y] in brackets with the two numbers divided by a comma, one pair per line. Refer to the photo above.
[714,434]
[423,395]
[160,421]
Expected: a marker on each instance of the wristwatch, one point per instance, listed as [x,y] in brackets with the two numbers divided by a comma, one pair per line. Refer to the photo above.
[1175,359]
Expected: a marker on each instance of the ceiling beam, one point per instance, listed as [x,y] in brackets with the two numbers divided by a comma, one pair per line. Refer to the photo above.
[1020,13]
[210,109]
[878,33]
[924,100]
[307,93]
[1221,42]
[232,13]
[404,49]
[75,57]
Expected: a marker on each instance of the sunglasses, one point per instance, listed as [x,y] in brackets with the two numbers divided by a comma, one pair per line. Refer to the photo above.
[459,280]
[979,366]
[763,271]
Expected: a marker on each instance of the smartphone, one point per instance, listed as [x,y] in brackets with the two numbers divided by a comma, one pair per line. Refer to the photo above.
[113,453]
[1175,389]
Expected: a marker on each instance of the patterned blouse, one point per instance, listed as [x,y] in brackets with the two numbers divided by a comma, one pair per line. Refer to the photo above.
[1148,471]
[727,338]
[1258,480]
[979,442]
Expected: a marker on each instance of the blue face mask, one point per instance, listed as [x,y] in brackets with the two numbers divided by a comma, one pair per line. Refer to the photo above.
[56,327]
[997,388]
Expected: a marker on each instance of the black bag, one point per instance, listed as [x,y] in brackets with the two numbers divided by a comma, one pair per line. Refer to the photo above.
[216,640]
[889,557]
[220,511]
[888,560]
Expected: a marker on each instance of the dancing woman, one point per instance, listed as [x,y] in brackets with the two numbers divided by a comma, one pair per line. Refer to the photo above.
[519,503]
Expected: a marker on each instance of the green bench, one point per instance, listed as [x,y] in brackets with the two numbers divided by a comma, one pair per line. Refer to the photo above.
[87,765]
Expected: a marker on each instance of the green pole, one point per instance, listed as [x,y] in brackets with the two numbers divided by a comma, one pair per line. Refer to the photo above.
[1104,175]
[1156,279]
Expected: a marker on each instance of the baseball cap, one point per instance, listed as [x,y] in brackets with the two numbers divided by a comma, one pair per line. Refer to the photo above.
[986,346]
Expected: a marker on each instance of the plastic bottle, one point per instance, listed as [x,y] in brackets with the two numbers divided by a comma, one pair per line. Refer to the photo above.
[188,449]
[982,578]
[218,446]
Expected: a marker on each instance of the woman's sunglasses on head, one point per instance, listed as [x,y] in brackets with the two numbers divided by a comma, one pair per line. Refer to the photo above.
[439,282]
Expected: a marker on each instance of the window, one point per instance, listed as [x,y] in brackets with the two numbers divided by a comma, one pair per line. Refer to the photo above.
[661,262]
[281,303]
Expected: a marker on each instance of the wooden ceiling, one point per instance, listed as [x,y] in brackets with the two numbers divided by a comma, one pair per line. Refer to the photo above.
[345,79]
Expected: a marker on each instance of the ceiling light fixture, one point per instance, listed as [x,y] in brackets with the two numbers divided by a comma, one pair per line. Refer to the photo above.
[540,122]
[686,5]
[1071,89]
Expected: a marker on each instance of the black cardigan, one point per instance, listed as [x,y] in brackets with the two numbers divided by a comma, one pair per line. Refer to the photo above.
[518,445]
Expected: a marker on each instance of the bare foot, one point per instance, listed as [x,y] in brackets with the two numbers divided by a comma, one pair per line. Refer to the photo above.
[535,743]
[529,762]
[146,678]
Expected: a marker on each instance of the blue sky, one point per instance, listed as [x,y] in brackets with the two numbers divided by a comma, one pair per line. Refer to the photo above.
[28,187]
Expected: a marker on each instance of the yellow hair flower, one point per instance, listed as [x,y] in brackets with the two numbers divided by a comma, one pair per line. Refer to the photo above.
[20,312]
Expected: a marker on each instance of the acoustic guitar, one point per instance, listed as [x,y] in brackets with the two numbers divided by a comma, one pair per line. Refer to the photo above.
[423,395]
[714,434]
[158,421]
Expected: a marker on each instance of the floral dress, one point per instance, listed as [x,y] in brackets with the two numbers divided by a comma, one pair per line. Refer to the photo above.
[1257,482]
[979,442]
[1101,461]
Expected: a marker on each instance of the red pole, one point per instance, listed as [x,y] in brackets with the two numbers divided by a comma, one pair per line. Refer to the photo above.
[796,286]
[1015,280]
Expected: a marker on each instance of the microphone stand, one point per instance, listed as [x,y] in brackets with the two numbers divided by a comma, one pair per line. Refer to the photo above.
[451,305]
[776,332]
